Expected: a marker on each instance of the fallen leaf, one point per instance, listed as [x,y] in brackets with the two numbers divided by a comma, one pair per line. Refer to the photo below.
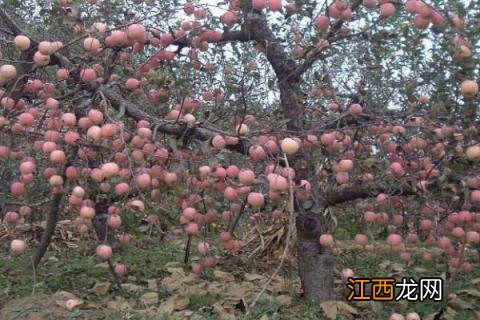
[284,300]
[176,271]
[166,308]
[333,308]
[102,265]
[450,314]
[471,292]
[121,305]
[330,309]
[130,287]
[171,284]
[221,275]
[184,314]
[173,264]
[398,267]
[385,264]
[376,307]
[222,313]
[149,299]
[181,302]
[152,284]
[237,291]
[253,277]
[102,288]
[458,303]
[174,303]
[61,297]
[215,288]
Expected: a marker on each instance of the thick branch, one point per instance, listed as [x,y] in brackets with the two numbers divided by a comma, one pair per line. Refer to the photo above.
[177,128]
[227,36]
[257,25]
[10,23]
[341,195]
[50,229]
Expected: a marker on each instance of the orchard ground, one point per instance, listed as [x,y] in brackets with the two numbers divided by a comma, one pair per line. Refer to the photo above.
[224,124]
[160,286]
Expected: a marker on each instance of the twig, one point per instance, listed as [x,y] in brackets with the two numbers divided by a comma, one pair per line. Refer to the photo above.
[115,276]
[234,224]
[187,249]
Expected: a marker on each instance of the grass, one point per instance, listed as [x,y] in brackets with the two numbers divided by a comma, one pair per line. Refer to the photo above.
[74,271]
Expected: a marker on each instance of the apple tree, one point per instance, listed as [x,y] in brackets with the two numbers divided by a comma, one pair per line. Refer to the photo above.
[211,113]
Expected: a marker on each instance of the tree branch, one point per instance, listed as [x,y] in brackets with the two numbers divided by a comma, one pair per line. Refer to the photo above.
[227,36]
[313,54]
[10,23]
[342,195]
[165,126]
[256,24]
[50,229]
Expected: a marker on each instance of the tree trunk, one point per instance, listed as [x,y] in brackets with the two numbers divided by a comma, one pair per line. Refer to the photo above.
[315,263]
[47,235]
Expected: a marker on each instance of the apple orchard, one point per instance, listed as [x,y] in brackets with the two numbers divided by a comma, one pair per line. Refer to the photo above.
[220,114]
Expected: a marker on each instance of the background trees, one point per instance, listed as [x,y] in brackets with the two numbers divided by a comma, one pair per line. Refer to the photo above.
[209,113]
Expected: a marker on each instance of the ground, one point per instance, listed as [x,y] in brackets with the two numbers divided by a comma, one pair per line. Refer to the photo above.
[160,286]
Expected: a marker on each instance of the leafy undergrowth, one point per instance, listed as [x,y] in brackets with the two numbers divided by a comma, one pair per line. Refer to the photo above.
[160,286]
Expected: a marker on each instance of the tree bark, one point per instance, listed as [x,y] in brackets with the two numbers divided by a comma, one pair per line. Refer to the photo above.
[49,231]
[315,269]
[315,263]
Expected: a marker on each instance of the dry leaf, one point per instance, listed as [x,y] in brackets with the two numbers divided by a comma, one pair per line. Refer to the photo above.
[385,264]
[253,277]
[121,305]
[222,313]
[102,288]
[237,291]
[330,309]
[130,287]
[333,308]
[174,303]
[450,314]
[176,272]
[376,307]
[215,288]
[172,264]
[149,299]
[458,303]
[471,292]
[152,284]
[61,297]
[171,284]
[181,302]
[167,307]
[398,267]
[184,314]
[102,265]
[221,275]
[284,300]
